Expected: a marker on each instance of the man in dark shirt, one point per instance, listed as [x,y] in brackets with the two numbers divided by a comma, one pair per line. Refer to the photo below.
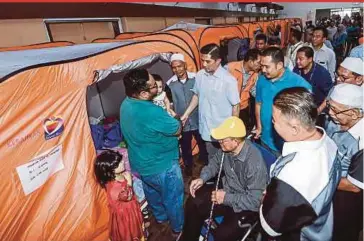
[314,73]
[245,178]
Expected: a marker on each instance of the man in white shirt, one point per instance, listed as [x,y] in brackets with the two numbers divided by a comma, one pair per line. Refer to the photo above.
[294,44]
[323,55]
[297,205]
[332,29]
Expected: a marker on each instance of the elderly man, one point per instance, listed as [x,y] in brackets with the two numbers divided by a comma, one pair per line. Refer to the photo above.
[244,181]
[345,107]
[181,85]
[274,79]
[216,94]
[324,56]
[246,72]
[313,73]
[151,135]
[346,129]
[298,201]
[351,71]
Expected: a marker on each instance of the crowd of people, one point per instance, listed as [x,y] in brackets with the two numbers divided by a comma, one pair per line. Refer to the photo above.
[298,104]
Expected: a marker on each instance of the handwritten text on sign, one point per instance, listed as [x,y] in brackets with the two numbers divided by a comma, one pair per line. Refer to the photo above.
[36,172]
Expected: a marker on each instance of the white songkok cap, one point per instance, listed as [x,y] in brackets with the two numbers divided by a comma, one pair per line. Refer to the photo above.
[354,65]
[178,57]
[348,94]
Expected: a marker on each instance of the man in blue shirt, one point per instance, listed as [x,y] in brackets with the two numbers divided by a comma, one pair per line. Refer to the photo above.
[216,95]
[313,73]
[274,79]
[357,52]
[151,134]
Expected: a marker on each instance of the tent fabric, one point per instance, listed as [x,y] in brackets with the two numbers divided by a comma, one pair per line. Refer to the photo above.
[38,46]
[180,37]
[134,64]
[10,60]
[185,26]
[48,188]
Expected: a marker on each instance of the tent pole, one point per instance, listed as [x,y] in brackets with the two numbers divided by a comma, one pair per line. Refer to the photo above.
[99,94]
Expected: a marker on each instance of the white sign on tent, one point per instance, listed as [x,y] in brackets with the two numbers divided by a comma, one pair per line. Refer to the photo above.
[35,173]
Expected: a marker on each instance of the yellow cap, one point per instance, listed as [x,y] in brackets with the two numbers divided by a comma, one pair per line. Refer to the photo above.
[231,127]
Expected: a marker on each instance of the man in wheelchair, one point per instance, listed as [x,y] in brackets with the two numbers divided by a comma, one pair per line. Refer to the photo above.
[244,180]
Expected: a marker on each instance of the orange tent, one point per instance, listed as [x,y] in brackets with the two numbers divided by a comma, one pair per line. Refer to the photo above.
[38,46]
[46,96]
[215,34]
[169,35]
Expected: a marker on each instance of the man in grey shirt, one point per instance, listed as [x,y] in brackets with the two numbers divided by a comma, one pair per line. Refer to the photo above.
[245,178]
[181,85]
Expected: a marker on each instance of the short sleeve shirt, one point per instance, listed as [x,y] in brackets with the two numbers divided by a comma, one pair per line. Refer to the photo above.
[149,132]
[266,91]
[217,94]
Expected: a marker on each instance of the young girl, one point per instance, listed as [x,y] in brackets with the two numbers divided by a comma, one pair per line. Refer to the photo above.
[161,99]
[126,222]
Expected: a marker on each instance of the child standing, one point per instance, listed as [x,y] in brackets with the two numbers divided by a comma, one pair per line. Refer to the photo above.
[161,98]
[126,222]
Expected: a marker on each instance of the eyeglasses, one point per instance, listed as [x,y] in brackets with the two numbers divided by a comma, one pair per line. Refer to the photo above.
[342,78]
[336,112]
[154,86]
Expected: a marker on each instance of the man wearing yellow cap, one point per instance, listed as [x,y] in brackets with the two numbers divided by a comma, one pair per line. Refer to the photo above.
[245,178]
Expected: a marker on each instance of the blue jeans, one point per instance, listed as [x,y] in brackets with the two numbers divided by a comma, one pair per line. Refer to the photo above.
[164,193]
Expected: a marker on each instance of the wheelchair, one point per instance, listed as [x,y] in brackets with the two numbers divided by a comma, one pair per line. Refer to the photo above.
[250,221]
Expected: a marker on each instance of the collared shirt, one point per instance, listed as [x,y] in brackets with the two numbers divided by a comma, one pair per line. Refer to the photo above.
[292,52]
[245,179]
[182,95]
[190,75]
[299,196]
[326,58]
[357,52]
[217,94]
[320,80]
[266,91]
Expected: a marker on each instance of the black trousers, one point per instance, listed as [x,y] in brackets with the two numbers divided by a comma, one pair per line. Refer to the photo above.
[348,215]
[247,115]
[197,210]
[186,146]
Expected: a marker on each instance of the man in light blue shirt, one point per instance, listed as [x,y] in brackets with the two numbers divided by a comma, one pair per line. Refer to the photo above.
[274,79]
[216,94]
[357,52]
